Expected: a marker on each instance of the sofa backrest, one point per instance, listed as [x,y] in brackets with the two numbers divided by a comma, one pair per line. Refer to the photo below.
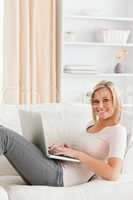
[63,123]
[127,121]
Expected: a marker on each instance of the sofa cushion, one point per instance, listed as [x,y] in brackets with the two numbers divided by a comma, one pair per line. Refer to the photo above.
[95,190]
[11,180]
[5,167]
[9,117]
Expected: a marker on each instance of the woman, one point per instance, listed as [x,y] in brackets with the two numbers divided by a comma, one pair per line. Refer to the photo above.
[37,169]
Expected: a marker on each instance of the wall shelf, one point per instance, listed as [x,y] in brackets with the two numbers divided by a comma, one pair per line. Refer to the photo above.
[85,17]
[98,44]
[116,74]
[127,105]
[99,74]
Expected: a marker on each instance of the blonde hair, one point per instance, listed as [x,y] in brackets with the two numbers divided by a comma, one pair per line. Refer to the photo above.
[115,118]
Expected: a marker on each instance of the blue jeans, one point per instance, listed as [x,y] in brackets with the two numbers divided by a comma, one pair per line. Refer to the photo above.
[32,165]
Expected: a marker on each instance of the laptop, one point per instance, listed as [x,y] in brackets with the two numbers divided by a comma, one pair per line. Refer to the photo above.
[32,129]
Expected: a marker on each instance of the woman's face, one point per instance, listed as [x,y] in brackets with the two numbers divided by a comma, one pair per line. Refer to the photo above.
[102,103]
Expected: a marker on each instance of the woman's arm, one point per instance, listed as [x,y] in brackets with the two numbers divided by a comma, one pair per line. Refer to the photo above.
[109,170]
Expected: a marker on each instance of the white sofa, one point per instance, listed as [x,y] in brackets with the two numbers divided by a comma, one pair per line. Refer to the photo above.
[12,186]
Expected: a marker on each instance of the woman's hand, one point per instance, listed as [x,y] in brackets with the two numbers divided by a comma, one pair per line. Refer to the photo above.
[59,149]
[52,147]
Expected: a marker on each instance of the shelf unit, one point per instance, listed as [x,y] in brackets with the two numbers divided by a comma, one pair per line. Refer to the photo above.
[88,51]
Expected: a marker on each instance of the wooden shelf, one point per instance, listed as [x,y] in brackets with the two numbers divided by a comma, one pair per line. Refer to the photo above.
[98,44]
[85,17]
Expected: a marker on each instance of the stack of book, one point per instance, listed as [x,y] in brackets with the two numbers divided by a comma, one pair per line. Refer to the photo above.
[80,69]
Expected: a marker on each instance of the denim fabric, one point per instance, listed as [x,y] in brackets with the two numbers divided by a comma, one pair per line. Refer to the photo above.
[32,165]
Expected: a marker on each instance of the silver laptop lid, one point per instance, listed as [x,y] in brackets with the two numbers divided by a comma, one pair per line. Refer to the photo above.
[32,129]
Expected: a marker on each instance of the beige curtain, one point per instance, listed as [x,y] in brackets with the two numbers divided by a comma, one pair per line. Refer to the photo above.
[29,52]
